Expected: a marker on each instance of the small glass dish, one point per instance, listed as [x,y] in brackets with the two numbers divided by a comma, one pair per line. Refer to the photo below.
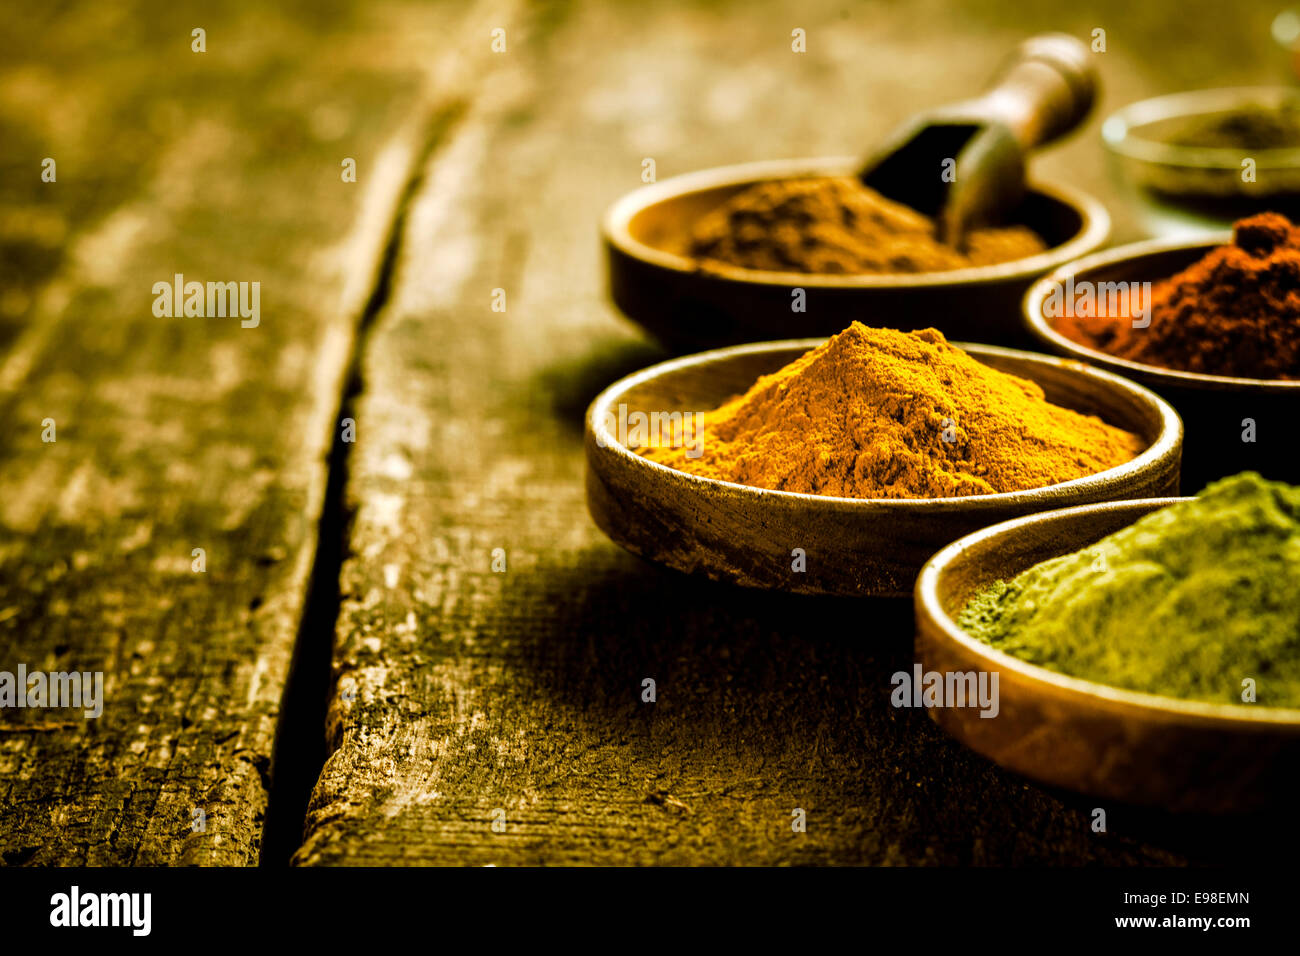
[1149,143]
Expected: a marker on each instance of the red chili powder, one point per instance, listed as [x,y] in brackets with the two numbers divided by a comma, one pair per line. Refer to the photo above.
[1235,312]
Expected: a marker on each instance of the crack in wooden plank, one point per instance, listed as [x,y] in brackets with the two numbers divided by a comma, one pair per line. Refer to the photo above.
[299,752]
[174,434]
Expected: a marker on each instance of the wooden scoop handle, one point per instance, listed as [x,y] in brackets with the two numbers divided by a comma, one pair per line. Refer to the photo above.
[1044,91]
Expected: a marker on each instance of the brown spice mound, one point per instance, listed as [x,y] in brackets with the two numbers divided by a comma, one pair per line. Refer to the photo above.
[867,415]
[837,226]
[1235,312]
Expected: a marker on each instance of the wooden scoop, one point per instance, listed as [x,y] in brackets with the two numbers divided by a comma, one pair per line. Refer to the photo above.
[1044,91]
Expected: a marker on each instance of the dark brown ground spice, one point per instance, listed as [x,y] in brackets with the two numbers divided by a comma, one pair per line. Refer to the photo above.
[1235,312]
[1248,127]
[837,226]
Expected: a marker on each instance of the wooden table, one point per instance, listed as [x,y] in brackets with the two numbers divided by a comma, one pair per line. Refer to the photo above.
[348,602]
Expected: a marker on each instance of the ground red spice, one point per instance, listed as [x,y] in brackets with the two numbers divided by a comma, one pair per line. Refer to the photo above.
[1235,312]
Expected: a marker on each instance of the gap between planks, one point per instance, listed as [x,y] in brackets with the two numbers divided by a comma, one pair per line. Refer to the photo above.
[300,749]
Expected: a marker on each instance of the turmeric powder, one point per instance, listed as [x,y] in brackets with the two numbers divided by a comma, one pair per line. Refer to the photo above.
[878,413]
[836,225]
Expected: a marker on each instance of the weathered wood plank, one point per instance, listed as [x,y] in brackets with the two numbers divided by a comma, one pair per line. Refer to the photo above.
[176,434]
[462,692]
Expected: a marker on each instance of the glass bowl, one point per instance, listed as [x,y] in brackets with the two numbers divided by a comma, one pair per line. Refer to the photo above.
[1148,143]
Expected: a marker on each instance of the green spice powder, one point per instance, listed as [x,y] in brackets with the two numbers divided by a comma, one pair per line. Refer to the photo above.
[1187,602]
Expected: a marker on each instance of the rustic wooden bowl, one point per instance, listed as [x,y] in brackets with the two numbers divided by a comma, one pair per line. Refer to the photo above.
[1111,743]
[1212,407]
[646,234]
[746,535]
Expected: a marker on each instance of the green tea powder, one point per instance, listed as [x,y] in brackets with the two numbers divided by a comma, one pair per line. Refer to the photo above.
[1191,601]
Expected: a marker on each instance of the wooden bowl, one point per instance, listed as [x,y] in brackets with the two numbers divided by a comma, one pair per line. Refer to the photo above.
[1105,741]
[646,235]
[1213,407]
[746,535]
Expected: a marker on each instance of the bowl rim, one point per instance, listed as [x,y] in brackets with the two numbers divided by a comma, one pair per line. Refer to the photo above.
[616,231]
[1166,442]
[926,599]
[1119,136]
[1044,331]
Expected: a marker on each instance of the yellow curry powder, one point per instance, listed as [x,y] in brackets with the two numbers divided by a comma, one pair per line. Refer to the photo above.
[837,226]
[877,413]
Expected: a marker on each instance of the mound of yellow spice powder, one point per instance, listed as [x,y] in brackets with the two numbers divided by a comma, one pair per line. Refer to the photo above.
[877,413]
[837,226]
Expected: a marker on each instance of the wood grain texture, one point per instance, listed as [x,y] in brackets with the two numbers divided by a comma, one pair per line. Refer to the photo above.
[176,433]
[461,692]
